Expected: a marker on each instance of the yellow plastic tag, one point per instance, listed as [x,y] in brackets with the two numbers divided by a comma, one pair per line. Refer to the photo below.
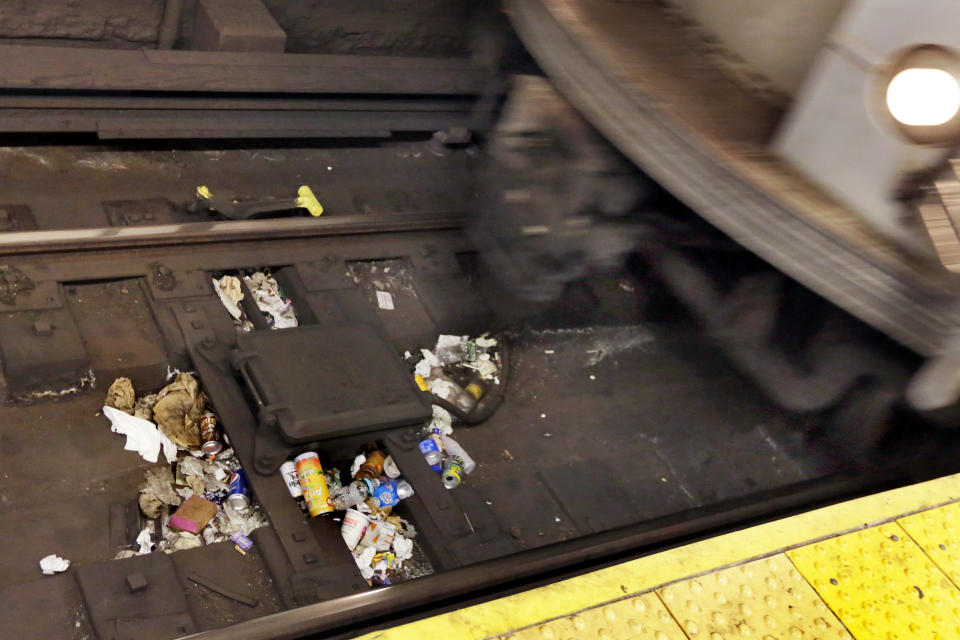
[309,201]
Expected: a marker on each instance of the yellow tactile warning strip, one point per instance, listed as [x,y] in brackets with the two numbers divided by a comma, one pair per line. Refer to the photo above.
[937,531]
[762,599]
[639,617]
[539,610]
[882,585]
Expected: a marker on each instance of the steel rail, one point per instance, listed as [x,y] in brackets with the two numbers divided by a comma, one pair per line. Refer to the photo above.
[21,243]
[359,611]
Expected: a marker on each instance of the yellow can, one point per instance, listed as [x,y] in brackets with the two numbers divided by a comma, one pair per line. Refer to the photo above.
[314,485]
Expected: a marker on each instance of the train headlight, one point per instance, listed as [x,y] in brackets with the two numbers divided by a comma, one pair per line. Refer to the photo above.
[923,97]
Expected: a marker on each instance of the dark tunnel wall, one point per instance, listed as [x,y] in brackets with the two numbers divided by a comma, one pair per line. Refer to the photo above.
[389,27]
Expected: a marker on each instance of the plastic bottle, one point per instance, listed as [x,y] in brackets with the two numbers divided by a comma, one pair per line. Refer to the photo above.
[373,467]
[453,449]
[445,387]
[430,450]
[353,494]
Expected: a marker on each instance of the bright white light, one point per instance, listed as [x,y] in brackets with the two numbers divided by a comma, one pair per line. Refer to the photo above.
[923,97]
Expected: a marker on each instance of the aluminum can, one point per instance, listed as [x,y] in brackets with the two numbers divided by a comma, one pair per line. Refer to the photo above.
[289,472]
[238,496]
[208,435]
[452,473]
[313,484]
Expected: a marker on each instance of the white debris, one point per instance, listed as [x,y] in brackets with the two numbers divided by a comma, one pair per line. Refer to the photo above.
[442,420]
[486,343]
[143,436]
[179,541]
[385,300]
[402,548]
[425,366]
[390,467]
[231,293]
[449,348]
[359,460]
[266,293]
[54,564]
[145,542]
[363,560]
[487,369]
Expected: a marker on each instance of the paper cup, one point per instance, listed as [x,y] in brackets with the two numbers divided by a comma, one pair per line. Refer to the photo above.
[354,524]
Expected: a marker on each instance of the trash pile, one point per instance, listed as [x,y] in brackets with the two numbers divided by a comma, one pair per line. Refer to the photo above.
[381,542]
[277,309]
[459,372]
[201,496]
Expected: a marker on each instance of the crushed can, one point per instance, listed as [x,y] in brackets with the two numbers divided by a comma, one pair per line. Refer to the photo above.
[452,473]
[238,495]
[313,484]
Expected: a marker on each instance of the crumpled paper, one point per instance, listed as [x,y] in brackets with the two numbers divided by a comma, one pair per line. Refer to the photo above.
[357,463]
[143,407]
[402,547]
[157,491]
[180,540]
[425,366]
[120,395]
[142,435]
[231,293]
[178,410]
[449,349]
[53,563]
[485,343]
[266,293]
[442,420]
[363,560]
[145,542]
